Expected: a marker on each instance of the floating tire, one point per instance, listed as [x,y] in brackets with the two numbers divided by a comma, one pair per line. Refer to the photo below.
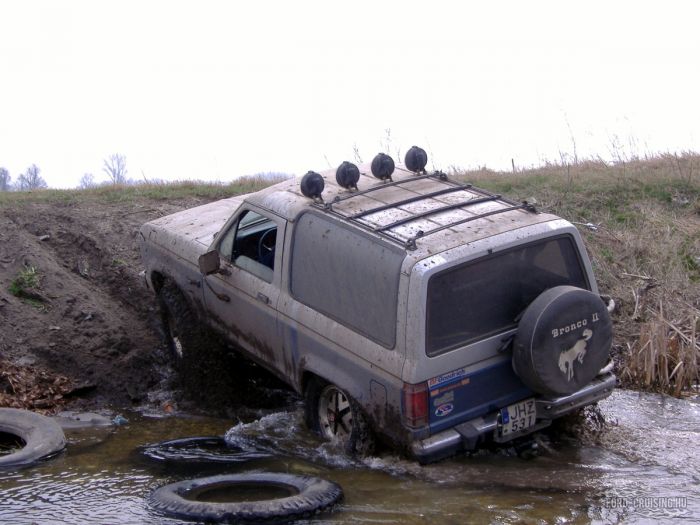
[236,498]
[563,341]
[200,451]
[33,437]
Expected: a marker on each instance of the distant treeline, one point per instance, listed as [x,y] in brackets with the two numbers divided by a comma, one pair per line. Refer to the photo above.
[114,167]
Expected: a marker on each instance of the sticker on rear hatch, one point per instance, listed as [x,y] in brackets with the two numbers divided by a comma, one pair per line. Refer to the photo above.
[446,378]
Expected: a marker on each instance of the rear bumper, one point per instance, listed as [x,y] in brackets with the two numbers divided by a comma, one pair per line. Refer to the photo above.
[465,436]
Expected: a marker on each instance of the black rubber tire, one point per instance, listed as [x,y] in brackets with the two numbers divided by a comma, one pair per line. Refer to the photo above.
[179,320]
[360,441]
[42,436]
[199,350]
[208,450]
[306,496]
[563,340]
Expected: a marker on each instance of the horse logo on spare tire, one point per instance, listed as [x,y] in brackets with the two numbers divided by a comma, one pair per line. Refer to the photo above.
[575,353]
[563,327]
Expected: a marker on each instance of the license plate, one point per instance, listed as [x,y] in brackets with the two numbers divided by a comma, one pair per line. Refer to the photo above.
[517,417]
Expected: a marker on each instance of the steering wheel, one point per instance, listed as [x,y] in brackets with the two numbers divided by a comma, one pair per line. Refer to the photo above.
[263,248]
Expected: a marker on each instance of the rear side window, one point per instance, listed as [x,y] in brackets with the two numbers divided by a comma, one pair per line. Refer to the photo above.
[485,297]
[347,275]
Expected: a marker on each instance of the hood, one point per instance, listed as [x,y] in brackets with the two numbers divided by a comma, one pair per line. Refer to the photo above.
[191,230]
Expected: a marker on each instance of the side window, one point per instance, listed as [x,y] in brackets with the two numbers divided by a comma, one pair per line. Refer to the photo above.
[250,244]
[347,275]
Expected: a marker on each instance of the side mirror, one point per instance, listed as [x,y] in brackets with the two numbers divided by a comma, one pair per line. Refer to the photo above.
[209,262]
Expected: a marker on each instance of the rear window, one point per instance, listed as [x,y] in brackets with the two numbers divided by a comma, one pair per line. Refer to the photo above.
[484,297]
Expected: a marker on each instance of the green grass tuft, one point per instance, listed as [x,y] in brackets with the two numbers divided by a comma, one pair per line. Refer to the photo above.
[27,279]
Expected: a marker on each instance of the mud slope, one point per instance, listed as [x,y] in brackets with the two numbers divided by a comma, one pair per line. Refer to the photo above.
[88,316]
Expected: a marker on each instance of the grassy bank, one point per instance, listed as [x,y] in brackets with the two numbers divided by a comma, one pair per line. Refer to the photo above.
[147,191]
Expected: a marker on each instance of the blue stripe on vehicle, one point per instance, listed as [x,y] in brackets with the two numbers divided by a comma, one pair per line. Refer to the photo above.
[467,396]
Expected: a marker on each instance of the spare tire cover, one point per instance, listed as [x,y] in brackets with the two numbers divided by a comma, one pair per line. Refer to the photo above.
[563,340]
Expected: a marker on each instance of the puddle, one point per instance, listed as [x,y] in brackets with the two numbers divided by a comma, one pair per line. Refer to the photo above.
[645,466]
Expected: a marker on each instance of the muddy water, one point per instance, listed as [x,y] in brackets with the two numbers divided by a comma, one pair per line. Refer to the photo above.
[643,467]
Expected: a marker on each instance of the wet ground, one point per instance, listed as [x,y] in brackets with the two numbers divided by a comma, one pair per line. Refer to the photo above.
[644,466]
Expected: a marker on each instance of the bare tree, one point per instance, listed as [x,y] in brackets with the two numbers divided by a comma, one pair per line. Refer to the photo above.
[115,168]
[5,180]
[31,180]
[87,181]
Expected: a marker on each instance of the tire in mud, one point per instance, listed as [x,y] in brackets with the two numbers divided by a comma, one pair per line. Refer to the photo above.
[32,437]
[235,498]
[194,349]
[563,340]
[336,416]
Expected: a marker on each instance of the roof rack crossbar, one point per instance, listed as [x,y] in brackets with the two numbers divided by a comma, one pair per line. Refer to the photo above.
[409,201]
[364,226]
[487,193]
[409,243]
[441,209]
[437,175]
[523,206]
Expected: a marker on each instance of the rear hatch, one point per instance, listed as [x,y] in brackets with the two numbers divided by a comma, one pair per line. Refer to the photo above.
[472,312]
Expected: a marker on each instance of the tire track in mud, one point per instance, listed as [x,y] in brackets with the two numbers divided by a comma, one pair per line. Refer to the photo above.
[95,321]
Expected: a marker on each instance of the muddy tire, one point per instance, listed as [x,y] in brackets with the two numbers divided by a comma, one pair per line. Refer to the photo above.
[335,416]
[205,499]
[194,350]
[563,340]
[180,323]
[31,437]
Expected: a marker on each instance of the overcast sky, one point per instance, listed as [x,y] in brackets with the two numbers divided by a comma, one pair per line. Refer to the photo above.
[217,89]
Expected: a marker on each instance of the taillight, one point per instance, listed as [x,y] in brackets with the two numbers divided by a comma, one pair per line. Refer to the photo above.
[415,404]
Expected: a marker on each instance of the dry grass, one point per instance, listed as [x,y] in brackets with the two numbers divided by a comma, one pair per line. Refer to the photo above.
[666,356]
[643,237]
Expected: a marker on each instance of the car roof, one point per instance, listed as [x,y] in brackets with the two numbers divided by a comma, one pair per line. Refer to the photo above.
[424,214]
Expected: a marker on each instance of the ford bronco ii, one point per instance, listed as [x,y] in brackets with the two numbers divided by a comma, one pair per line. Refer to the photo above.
[401,304]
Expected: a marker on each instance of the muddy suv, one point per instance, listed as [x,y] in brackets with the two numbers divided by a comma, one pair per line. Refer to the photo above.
[403,305]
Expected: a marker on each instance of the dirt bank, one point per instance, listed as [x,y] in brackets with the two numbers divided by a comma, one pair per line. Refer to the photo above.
[72,302]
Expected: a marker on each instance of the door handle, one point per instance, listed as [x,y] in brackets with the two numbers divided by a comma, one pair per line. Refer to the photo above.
[263,298]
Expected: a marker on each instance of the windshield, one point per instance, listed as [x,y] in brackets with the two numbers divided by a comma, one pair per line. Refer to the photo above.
[484,297]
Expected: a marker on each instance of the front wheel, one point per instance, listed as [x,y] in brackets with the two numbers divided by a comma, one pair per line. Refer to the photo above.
[183,333]
[334,415]
[194,351]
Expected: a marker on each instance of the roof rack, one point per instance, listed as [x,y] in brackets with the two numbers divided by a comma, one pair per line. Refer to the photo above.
[410,243]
